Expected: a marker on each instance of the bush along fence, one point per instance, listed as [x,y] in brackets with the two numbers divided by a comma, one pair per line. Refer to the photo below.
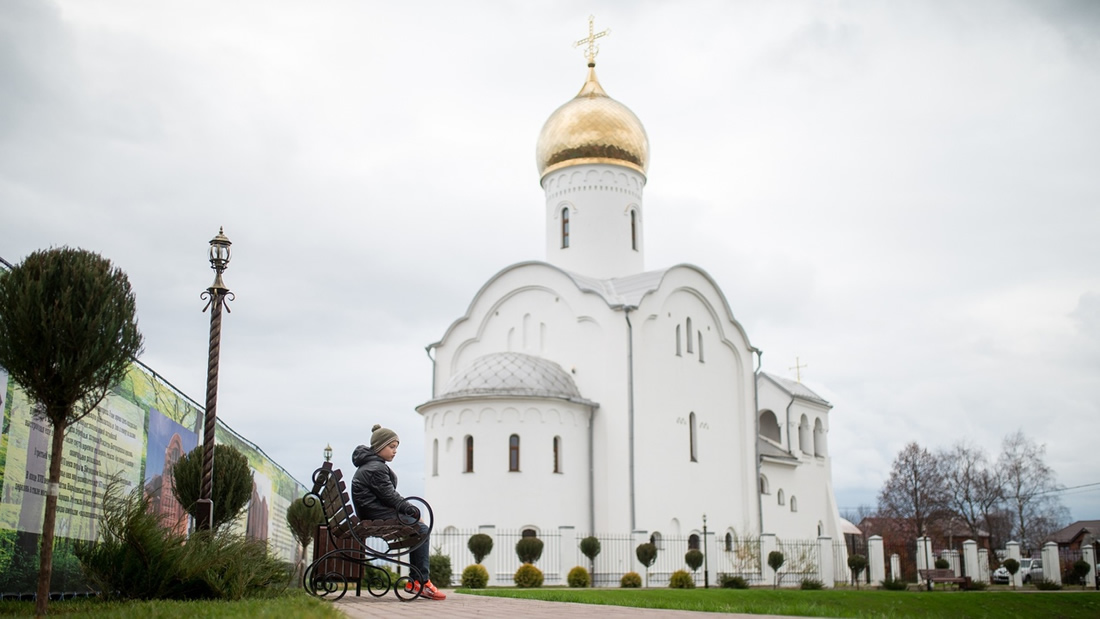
[821,559]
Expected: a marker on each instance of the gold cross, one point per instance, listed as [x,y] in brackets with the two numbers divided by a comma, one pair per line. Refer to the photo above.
[798,369]
[590,40]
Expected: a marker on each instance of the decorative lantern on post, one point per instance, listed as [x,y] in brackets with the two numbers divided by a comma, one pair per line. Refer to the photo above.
[328,453]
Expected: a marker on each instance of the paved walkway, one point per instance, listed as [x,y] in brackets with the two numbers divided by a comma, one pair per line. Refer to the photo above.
[460,606]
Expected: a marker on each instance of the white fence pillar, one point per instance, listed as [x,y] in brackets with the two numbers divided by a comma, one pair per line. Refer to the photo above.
[1088,553]
[876,560]
[953,562]
[568,551]
[490,560]
[767,544]
[710,557]
[825,561]
[983,566]
[925,560]
[970,559]
[1012,551]
[895,566]
[640,537]
[1052,567]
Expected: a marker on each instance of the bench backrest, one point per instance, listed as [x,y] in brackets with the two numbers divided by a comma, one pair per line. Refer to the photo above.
[335,503]
[937,573]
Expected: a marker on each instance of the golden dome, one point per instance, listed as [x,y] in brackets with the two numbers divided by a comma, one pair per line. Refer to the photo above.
[592,128]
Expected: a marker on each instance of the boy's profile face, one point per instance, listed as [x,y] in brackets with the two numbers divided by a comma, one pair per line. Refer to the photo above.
[389,452]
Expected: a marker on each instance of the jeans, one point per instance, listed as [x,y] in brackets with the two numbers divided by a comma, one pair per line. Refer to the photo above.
[419,557]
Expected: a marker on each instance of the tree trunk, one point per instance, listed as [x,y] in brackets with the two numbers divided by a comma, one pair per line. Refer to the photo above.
[49,521]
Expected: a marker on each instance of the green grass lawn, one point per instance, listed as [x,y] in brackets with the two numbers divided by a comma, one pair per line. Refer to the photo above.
[297,604]
[831,603]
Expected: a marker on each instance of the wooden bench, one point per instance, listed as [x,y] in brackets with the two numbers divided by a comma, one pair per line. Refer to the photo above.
[944,576]
[360,542]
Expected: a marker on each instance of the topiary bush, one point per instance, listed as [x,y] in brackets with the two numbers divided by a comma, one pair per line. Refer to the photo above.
[681,579]
[694,559]
[894,585]
[857,563]
[529,549]
[942,564]
[528,576]
[630,580]
[775,561]
[439,568]
[811,584]
[729,581]
[475,576]
[1078,572]
[578,577]
[480,545]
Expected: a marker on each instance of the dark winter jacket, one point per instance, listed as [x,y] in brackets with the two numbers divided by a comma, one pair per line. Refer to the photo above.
[374,487]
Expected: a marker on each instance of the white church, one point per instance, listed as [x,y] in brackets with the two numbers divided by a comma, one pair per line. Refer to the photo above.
[586,391]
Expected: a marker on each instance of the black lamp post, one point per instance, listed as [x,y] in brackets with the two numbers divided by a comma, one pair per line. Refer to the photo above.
[328,453]
[217,296]
[706,560]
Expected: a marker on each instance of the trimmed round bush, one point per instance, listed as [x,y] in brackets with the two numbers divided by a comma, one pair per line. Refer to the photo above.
[694,559]
[681,579]
[475,576]
[480,545]
[811,584]
[732,582]
[578,577]
[899,585]
[528,576]
[942,564]
[630,580]
[529,549]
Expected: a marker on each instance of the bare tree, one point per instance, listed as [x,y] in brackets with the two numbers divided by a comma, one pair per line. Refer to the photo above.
[915,489]
[1030,489]
[973,488]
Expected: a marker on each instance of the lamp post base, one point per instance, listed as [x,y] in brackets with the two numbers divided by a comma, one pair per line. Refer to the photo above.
[204,514]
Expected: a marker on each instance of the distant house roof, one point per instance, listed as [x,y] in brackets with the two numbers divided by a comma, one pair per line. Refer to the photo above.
[848,528]
[796,389]
[1071,533]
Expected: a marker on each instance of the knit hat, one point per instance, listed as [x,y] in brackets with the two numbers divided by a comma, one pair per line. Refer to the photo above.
[380,437]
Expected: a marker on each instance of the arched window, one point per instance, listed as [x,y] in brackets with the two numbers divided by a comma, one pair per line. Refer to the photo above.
[565,227]
[529,533]
[769,426]
[655,539]
[693,542]
[820,529]
[780,497]
[794,503]
[513,452]
[435,457]
[764,485]
[678,340]
[688,334]
[692,436]
[557,454]
[469,454]
[729,542]
[805,438]
[633,230]
[819,438]
[700,347]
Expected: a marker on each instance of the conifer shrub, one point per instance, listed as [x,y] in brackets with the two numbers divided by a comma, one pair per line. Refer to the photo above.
[857,563]
[811,584]
[894,585]
[439,568]
[942,564]
[681,579]
[480,545]
[578,577]
[694,559]
[475,576]
[1047,585]
[729,581]
[630,580]
[528,576]
[529,549]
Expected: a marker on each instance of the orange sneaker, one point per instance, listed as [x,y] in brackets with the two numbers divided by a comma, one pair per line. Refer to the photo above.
[431,593]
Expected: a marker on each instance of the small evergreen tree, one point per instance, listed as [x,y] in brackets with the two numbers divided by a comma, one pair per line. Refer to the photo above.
[439,568]
[1013,566]
[647,556]
[857,563]
[529,549]
[590,547]
[302,520]
[480,545]
[775,561]
[694,559]
[232,484]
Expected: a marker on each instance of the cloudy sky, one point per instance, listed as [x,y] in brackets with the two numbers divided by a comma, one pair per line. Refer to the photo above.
[903,195]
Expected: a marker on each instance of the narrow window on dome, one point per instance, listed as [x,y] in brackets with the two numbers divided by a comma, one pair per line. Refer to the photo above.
[692,437]
[634,230]
[513,452]
[564,228]
[469,454]
[435,457]
[688,334]
[557,454]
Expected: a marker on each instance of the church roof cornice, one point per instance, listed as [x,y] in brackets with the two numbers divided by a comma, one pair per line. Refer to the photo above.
[796,390]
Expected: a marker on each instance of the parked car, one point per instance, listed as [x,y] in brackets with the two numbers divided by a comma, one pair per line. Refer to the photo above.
[1030,569]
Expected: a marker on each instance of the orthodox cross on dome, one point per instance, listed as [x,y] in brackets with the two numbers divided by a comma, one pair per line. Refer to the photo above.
[798,369]
[590,40]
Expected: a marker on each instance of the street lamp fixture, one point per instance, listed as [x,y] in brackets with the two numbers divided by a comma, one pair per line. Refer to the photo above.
[217,297]
[328,453]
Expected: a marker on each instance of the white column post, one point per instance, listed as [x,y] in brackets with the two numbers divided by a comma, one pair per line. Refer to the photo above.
[925,560]
[768,543]
[952,557]
[567,557]
[1088,553]
[1012,549]
[970,560]
[826,565]
[1052,568]
[983,566]
[895,566]
[710,547]
[876,560]
[640,537]
[490,560]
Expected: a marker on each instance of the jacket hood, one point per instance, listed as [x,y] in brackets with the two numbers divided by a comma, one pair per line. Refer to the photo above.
[362,455]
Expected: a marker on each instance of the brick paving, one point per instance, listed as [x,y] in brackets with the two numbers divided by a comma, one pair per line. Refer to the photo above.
[460,606]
